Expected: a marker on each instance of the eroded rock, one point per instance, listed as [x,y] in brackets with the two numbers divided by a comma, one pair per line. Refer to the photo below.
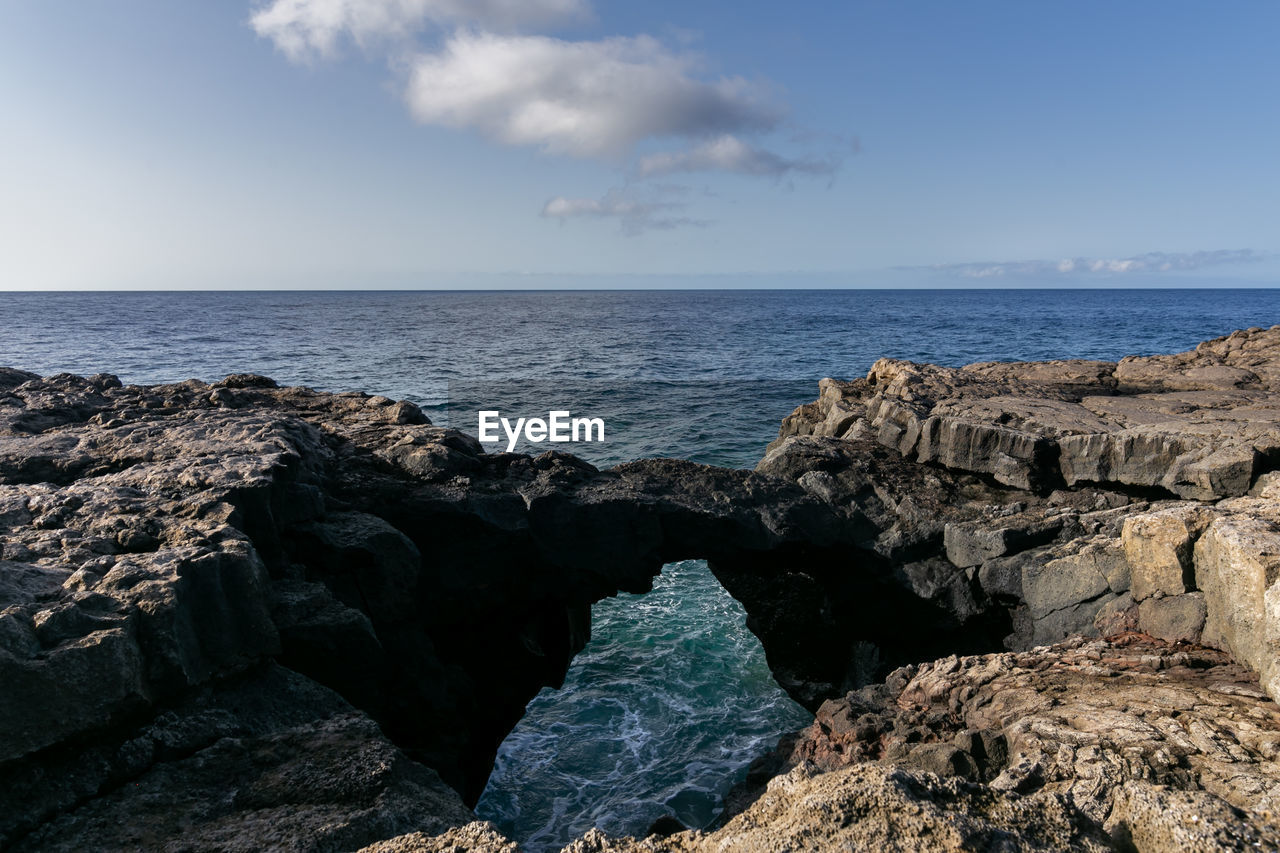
[1151,743]
[1197,425]
[166,550]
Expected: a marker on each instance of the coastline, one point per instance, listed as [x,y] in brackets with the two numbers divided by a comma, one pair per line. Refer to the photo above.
[200,549]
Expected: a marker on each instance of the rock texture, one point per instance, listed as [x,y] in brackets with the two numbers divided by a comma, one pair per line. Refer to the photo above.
[1196,425]
[236,615]
[1083,497]
[158,540]
[273,761]
[162,542]
[1088,745]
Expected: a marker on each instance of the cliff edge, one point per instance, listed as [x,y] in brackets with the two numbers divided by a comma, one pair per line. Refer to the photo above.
[1034,606]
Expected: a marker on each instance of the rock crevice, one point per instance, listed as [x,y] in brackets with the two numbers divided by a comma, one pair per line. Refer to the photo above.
[244,582]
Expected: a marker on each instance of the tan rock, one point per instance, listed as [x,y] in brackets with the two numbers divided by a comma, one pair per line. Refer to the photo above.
[1158,546]
[1162,747]
[474,837]
[1237,566]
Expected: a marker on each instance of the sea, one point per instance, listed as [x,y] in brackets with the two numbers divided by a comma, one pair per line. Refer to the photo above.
[671,699]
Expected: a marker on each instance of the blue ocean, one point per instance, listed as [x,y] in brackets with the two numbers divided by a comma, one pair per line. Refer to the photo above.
[671,699]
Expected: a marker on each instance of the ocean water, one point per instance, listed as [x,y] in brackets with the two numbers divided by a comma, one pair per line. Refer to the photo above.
[671,699]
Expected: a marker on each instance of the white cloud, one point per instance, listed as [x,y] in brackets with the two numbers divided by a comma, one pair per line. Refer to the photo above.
[728,153]
[634,216]
[595,99]
[1151,262]
[583,98]
[304,29]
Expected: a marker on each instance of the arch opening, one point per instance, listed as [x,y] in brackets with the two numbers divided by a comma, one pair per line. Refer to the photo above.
[659,715]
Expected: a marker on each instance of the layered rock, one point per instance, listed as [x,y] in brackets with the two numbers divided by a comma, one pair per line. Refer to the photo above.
[1088,745]
[1086,497]
[248,615]
[270,760]
[163,542]
[1195,425]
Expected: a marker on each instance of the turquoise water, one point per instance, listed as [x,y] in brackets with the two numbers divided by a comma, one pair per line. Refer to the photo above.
[698,704]
[671,699]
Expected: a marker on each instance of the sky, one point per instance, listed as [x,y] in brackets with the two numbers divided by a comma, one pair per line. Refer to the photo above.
[564,143]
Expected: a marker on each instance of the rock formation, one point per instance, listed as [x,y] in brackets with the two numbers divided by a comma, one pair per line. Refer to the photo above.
[244,615]
[1087,745]
[1087,497]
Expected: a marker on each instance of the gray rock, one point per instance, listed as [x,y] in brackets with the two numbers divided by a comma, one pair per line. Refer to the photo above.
[1078,619]
[1173,618]
[977,542]
[166,543]
[334,783]
[1196,424]
[1064,582]
[176,538]
[941,759]
[75,688]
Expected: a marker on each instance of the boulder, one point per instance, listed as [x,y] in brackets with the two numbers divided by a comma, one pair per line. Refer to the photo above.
[1159,546]
[1173,618]
[1237,566]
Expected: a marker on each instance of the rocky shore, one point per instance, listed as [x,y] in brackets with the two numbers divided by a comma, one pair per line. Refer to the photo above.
[1033,606]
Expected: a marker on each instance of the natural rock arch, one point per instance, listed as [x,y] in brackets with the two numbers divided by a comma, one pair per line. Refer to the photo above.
[206,529]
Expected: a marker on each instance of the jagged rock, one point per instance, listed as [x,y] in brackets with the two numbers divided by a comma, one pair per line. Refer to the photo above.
[163,538]
[330,785]
[1200,425]
[269,759]
[1097,567]
[165,549]
[169,539]
[1156,744]
[475,837]
[975,543]
[870,807]
[1197,425]
[1243,359]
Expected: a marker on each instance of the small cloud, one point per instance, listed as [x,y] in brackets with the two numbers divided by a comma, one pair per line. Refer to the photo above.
[728,153]
[310,29]
[476,65]
[1151,262]
[633,216]
[580,98]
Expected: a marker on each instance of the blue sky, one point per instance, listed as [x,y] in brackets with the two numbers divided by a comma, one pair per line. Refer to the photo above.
[551,143]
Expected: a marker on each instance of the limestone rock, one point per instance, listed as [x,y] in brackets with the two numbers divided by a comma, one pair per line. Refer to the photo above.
[1024,450]
[475,837]
[1237,566]
[870,807]
[1197,425]
[1163,746]
[245,582]
[1158,546]
[164,542]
